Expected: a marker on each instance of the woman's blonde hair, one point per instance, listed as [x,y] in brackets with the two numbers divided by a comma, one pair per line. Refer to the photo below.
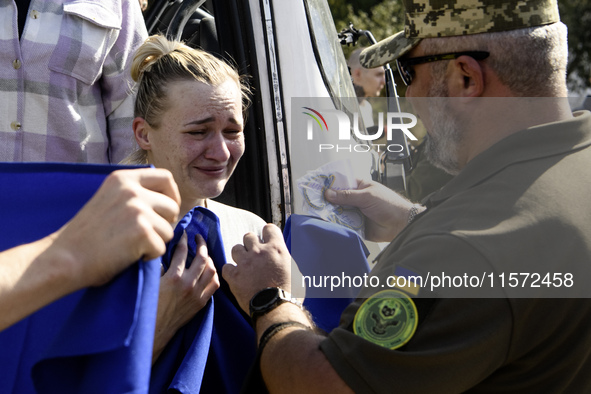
[159,62]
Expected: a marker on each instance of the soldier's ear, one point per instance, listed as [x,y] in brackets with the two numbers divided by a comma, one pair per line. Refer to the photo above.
[466,78]
[141,131]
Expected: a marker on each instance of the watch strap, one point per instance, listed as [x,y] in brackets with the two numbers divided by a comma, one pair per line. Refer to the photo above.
[282,297]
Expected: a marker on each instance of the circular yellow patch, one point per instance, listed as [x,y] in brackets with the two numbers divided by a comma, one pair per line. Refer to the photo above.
[388,318]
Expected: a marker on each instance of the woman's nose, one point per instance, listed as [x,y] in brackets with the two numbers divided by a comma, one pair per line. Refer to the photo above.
[217,148]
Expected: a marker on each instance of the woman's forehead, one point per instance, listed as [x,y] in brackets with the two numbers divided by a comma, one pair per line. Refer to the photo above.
[200,101]
[199,91]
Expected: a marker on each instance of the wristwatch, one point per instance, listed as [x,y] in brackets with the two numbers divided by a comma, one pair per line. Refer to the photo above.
[268,299]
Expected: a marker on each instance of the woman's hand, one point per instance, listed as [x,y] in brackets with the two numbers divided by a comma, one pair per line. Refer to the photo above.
[183,291]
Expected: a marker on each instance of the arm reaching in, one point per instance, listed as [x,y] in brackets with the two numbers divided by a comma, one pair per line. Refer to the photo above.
[260,265]
[183,291]
[291,361]
[386,211]
[128,218]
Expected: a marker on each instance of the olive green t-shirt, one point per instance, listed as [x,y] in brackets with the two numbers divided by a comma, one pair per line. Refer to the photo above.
[522,206]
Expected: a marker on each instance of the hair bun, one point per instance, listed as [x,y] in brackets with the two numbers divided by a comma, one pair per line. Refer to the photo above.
[152,50]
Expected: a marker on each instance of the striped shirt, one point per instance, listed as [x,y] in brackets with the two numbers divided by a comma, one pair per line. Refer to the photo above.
[65,89]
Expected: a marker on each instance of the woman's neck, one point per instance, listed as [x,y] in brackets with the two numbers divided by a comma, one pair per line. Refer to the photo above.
[186,207]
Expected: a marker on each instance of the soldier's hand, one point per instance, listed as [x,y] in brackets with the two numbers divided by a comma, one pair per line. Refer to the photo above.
[259,264]
[386,211]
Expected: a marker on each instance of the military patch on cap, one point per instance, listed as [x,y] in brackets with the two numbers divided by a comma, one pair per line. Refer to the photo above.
[388,318]
[445,18]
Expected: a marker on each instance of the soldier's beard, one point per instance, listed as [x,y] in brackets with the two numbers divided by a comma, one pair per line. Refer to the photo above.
[443,141]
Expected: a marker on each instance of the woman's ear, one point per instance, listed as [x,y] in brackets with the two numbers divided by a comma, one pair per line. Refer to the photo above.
[141,133]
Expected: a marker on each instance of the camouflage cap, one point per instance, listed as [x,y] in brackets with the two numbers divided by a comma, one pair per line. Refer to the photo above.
[443,18]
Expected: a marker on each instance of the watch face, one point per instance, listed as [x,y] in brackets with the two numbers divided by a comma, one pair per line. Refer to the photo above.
[264,298]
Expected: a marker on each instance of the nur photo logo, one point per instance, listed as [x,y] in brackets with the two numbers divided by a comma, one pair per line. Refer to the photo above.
[347,130]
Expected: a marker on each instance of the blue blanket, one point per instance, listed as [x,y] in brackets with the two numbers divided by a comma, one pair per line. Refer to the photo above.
[327,254]
[97,340]
[214,351]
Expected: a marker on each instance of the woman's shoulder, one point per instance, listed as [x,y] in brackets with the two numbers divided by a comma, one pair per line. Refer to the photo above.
[236,216]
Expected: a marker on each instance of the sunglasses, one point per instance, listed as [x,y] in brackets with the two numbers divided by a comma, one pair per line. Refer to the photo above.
[405,65]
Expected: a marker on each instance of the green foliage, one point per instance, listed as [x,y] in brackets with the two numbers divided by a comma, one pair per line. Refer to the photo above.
[576,15]
[382,18]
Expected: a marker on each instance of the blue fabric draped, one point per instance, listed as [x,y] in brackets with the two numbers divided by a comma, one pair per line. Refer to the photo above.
[214,351]
[323,249]
[97,340]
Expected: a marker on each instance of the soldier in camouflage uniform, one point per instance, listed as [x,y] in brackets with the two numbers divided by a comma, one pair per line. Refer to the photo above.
[487,78]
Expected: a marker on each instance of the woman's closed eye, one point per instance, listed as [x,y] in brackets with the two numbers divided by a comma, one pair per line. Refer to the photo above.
[233,133]
[197,133]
